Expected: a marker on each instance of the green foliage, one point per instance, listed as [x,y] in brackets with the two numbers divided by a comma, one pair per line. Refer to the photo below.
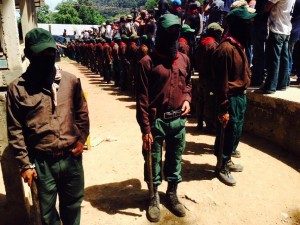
[44,15]
[150,4]
[66,14]
[90,15]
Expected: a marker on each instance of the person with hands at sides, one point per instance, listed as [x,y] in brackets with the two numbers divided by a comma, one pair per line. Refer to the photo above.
[48,124]
[231,76]
[163,103]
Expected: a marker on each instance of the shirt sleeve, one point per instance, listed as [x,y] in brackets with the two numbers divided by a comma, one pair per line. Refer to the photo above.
[81,113]
[15,129]
[142,101]
[188,81]
[220,68]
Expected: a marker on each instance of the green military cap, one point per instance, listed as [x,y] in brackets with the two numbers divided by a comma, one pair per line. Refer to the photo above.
[168,20]
[215,27]
[240,13]
[186,28]
[38,39]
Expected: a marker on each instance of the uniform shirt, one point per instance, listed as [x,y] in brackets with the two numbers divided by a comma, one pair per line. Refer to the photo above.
[203,60]
[35,123]
[280,16]
[107,53]
[230,71]
[162,85]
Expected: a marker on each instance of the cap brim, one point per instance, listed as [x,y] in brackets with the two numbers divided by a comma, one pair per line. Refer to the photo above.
[42,46]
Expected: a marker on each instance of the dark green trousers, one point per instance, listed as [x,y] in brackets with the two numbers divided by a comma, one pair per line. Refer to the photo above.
[233,130]
[63,177]
[173,133]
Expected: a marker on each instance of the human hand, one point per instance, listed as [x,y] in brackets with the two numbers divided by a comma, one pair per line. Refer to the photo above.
[186,108]
[223,119]
[28,175]
[147,141]
[78,149]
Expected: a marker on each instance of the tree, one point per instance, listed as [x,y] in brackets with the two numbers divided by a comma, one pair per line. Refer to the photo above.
[90,15]
[150,4]
[66,14]
[44,15]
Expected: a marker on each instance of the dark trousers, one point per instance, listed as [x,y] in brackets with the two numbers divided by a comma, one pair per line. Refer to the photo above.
[173,133]
[233,130]
[63,177]
[277,62]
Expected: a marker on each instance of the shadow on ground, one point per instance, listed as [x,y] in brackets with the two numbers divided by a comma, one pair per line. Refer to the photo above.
[194,148]
[271,149]
[116,197]
[194,171]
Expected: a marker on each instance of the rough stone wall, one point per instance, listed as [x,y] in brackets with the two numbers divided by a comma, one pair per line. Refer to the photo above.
[3,130]
[275,119]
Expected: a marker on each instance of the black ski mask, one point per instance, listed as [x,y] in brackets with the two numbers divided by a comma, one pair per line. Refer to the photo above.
[166,41]
[42,69]
[241,30]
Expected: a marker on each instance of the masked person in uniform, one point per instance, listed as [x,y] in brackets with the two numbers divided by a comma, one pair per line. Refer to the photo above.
[48,124]
[231,74]
[163,101]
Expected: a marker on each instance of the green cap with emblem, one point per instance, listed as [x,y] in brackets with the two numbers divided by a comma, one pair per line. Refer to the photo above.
[38,39]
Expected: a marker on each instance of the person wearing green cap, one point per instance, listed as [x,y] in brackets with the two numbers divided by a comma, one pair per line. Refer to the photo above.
[231,75]
[186,35]
[163,102]
[203,59]
[48,124]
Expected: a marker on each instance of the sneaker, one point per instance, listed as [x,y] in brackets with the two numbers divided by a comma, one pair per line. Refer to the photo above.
[225,177]
[236,154]
[175,206]
[153,212]
[234,167]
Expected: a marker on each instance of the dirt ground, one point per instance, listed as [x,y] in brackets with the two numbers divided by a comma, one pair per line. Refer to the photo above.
[267,191]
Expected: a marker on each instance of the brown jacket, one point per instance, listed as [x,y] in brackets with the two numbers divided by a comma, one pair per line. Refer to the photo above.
[36,124]
[230,70]
[162,85]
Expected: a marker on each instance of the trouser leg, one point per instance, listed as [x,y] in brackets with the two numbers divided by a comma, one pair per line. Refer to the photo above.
[71,188]
[47,188]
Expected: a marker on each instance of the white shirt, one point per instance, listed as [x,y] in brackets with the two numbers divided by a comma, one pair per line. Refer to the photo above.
[280,16]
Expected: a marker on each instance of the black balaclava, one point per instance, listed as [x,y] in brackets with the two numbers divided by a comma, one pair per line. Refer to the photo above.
[241,30]
[42,69]
[166,42]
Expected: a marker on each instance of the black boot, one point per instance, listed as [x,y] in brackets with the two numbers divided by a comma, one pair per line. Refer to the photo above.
[153,212]
[172,200]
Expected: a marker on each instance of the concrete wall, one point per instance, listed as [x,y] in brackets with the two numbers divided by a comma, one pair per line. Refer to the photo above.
[9,35]
[275,118]
[15,195]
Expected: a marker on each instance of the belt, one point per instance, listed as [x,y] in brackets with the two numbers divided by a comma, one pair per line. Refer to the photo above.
[60,153]
[171,114]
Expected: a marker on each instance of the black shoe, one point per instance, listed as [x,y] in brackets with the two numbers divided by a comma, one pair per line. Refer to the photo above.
[153,211]
[234,167]
[225,176]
